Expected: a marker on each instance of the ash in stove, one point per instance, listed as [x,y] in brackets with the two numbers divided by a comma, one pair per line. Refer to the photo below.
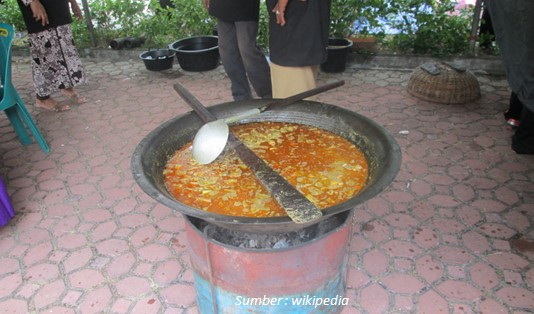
[268,241]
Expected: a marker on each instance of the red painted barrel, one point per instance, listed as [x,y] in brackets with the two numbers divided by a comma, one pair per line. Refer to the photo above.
[308,277]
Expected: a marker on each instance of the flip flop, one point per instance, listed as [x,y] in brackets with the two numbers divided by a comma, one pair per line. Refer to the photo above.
[56,108]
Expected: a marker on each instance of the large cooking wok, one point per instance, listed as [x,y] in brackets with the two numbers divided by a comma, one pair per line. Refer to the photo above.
[380,148]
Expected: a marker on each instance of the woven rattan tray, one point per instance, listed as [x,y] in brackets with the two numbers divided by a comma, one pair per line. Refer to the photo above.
[445,83]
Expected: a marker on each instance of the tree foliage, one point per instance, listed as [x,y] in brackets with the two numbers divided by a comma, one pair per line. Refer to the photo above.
[419,26]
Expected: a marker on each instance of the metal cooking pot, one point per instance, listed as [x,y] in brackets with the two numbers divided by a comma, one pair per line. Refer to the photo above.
[379,147]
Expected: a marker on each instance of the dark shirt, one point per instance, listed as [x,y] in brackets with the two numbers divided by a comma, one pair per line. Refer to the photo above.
[235,10]
[58,12]
[303,40]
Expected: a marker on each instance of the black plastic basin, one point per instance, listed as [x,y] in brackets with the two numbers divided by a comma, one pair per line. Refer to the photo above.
[197,54]
[158,60]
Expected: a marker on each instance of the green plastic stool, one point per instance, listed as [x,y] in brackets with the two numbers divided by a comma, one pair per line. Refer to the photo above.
[10,101]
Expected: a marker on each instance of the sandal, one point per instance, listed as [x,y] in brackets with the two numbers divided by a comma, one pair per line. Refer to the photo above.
[51,105]
[513,123]
[69,92]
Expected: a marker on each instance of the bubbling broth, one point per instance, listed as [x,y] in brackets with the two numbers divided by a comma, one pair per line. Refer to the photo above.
[326,168]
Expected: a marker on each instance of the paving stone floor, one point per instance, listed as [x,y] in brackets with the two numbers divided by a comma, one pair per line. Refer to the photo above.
[452,234]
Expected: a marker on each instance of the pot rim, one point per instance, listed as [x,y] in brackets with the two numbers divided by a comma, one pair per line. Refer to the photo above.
[338,43]
[170,55]
[193,38]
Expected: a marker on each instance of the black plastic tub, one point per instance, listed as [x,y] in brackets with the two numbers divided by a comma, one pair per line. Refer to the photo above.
[158,60]
[338,51]
[197,54]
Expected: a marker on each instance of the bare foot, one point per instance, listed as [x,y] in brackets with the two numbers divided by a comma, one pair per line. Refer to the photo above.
[51,105]
[69,92]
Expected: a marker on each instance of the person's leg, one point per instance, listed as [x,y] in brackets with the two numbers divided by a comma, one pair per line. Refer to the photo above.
[231,60]
[73,64]
[288,81]
[523,139]
[254,60]
[55,66]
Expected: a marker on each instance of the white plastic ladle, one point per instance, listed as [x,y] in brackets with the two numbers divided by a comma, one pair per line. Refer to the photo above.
[211,138]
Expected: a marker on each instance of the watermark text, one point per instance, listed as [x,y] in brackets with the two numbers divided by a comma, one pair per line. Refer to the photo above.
[292,301]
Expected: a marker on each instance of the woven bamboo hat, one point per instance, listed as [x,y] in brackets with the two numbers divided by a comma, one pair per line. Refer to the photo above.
[443,82]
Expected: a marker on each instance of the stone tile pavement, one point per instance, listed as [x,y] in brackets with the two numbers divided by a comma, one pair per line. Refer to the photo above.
[452,234]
